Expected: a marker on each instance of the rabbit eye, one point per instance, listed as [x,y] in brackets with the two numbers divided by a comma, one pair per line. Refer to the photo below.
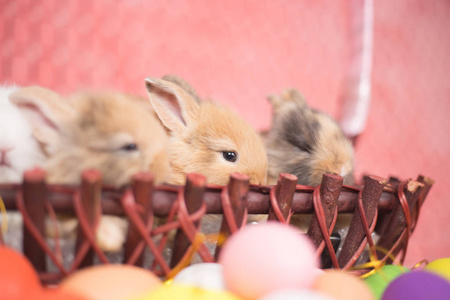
[130,147]
[230,156]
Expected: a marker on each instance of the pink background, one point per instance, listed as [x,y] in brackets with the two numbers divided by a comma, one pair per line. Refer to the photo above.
[237,52]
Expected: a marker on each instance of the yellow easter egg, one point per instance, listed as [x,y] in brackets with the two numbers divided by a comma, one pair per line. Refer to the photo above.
[440,266]
[181,292]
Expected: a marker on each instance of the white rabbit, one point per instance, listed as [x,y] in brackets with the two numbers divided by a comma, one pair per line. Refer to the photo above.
[19,150]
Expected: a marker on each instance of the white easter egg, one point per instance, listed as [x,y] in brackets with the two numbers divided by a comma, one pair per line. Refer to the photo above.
[290,294]
[203,275]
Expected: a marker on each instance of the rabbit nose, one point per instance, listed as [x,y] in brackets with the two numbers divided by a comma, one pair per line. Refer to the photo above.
[3,152]
[338,174]
[342,172]
[257,180]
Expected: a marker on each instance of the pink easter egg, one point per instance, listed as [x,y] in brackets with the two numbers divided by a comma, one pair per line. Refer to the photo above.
[266,257]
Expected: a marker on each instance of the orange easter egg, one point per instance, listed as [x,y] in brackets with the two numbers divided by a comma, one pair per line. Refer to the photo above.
[18,279]
[342,285]
[58,294]
[110,282]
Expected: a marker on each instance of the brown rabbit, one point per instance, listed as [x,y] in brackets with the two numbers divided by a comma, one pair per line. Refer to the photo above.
[116,134]
[206,137]
[305,142]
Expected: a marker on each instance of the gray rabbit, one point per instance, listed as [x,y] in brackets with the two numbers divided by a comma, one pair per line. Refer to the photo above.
[305,142]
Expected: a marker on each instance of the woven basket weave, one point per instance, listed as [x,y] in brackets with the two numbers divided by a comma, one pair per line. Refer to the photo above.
[387,207]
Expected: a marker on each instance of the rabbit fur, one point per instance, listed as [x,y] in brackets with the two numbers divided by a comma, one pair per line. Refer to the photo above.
[114,133]
[117,134]
[305,142]
[202,132]
[19,151]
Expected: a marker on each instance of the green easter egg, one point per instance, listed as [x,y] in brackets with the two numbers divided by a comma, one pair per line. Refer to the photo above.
[440,266]
[381,279]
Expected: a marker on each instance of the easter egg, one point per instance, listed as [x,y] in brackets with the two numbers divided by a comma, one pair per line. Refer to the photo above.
[266,257]
[58,294]
[418,285]
[181,292]
[440,266]
[18,279]
[382,277]
[341,285]
[203,275]
[110,282]
[296,294]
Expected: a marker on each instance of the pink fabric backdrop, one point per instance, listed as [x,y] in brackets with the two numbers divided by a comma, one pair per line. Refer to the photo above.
[237,52]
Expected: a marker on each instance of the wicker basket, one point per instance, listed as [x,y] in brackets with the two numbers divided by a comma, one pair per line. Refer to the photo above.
[388,207]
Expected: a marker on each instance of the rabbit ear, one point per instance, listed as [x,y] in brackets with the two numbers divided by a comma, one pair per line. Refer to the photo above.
[44,109]
[184,85]
[288,97]
[175,107]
